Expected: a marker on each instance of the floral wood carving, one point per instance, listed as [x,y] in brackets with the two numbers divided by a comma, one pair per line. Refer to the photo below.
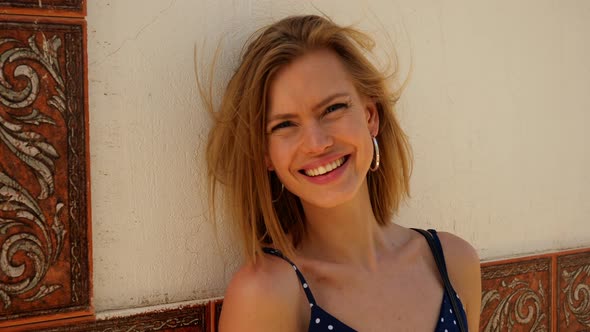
[578,295]
[43,215]
[521,306]
[574,299]
[516,296]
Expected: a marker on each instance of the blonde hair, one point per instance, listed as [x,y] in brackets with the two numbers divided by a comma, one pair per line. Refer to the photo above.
[266,214]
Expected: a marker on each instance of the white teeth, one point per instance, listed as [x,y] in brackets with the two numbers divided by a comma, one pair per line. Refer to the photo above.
[325,168]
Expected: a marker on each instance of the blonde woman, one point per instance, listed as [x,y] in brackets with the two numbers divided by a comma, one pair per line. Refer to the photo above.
[314,165]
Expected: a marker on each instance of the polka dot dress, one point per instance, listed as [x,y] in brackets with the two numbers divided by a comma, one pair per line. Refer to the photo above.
[447,321]
[323,321]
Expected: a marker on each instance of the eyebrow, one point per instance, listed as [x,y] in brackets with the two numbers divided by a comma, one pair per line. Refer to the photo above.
[323,102]
[329,99]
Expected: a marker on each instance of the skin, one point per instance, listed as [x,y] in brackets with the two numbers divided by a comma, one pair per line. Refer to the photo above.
[371,277]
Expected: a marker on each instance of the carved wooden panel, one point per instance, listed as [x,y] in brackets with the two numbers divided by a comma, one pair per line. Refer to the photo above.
[573,301]
[44,4]
[516,296]
[44,224]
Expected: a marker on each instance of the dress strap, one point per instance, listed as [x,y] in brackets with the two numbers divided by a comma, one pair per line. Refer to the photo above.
[435,246]
[436,249]
[308,294]
[439,248]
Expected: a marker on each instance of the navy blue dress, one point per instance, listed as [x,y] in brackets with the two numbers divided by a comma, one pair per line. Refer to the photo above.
[321,320]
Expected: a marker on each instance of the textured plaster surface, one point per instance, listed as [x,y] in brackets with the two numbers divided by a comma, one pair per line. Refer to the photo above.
[496,109]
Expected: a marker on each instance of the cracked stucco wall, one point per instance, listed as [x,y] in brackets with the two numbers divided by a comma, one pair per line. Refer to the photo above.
[497,110]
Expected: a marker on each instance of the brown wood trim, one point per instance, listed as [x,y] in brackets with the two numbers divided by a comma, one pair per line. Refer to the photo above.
[19,17]
[211,317]
[29,324]
[187,318]
[215,309]
[514,259]
[529,257]
[53,10]
[88,188]
[554,290]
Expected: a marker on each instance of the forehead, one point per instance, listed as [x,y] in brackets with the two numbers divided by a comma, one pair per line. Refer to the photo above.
[309,79]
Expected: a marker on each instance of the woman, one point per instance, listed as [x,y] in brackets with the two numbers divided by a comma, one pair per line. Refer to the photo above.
[314,165]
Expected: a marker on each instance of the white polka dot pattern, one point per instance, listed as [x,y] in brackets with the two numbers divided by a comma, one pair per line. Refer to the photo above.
[326,322]
[447,315]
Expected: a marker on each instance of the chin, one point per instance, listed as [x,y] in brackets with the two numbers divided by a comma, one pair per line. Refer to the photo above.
[327,202]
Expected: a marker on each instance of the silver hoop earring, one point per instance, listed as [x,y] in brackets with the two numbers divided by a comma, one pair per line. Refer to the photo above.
[280,194]
[377,156]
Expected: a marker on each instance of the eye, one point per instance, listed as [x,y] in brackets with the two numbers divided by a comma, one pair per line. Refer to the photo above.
[335,107]
[284,124]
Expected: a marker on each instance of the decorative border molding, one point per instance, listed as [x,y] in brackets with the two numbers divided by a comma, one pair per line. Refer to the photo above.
[71,5]
[67,8]
[525,284]
[503,270]
[217,313]
[187,318]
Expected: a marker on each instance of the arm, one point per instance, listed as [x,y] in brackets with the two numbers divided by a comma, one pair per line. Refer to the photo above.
[464,271]
[260,298]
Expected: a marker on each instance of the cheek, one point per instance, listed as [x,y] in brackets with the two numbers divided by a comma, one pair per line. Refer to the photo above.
[278,153]
[358,133]
[355,127]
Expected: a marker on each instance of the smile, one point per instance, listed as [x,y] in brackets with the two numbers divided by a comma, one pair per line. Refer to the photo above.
[324,169]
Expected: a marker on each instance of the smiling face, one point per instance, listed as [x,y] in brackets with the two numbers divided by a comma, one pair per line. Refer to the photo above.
[319,131]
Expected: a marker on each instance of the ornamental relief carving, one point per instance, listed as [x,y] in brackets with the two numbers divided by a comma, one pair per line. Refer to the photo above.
[31,239]
[577,295]
[515,304]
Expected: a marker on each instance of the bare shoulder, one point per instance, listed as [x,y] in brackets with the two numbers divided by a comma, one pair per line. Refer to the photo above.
[460,249]
[463,266]
[262,297]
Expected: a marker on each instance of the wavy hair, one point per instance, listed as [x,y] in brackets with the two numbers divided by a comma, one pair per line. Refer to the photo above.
[237,142]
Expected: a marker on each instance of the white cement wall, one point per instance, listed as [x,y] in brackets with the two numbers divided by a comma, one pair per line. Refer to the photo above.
[497,109]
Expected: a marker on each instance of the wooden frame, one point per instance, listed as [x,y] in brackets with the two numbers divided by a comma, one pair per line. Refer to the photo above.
[45,241]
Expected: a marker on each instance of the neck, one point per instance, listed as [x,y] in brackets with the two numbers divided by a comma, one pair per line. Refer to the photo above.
[348,233]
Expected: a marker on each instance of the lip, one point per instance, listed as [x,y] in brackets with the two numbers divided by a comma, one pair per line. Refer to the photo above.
[323,161]
[330,176]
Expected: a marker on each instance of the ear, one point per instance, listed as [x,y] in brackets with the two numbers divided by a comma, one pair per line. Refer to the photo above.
[372,114]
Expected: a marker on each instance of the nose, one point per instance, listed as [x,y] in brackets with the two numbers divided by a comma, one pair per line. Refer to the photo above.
[316,139]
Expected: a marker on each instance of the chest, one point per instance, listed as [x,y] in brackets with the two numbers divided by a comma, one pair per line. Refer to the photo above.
[404,298]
